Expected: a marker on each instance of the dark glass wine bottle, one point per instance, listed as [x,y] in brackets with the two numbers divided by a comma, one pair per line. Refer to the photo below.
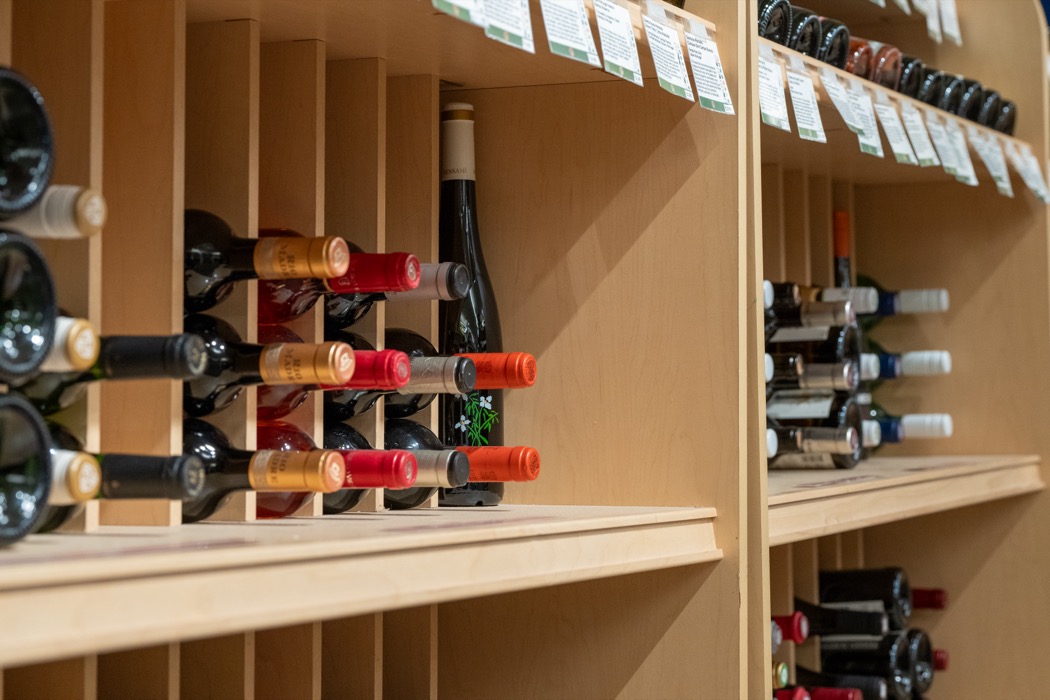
[774,20]
[215,259]
[822,344]
[74,348]
[797,447]
[1006,121]
[25,468]
[281,301]
[991,104]
[64,212]
[27,151]
[878,364]
[920,653]
[972,100]
[912,70]
[861,57]
[828,621]
[869,588]
[789,296]
[820,409]
[951,96]
[27,307]
[228,470]
[432,374]
[790,371]
[437,282]
[120,357]
[805,33]
[793,627]
[910,426]
[366,468]
[885,65]
[230,364]
[471,324]
[291,439]
[834,42]
[871,687]
[439,466]
[932,85]
[75,479]
[886,657]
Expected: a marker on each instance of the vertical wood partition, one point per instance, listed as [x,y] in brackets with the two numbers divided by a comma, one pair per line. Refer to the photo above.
[145,61]
[352,659]
[782,596]
[797,254]
[143,674]
[222,176]
[220,668]
[804,563]
[292,195]
[69,679]
[5,32]
[410,653]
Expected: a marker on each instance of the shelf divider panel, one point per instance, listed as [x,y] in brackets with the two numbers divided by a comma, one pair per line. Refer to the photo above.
[150,673]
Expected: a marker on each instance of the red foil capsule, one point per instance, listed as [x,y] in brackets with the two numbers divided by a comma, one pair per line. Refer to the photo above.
[794,626]
[369,469]
[503,370]
[377,272]
[502,463]
[929,598]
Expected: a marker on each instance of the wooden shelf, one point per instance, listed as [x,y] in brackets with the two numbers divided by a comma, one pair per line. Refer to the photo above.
[807,504]
[416,39]
[101,591]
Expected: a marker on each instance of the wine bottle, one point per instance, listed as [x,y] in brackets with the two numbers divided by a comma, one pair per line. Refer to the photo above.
[75,479]
[352,399]
[842,250]
[929,598]
[774,20]
[25,480]
[502,464]
[860,57]
[230,364]
[871,687]
[834,42]
[840,448]
[971,101]
[439,465]
[814,448]
[228,470]
[793,627]
[823,344]
[825,620]
[790,371]
[63,212]
[437,282]
[905,301]
[27,306]
[281,301]
[932,85]
[951,95]
[805,33]
[74,348]
[366,468]
[776,637]
[819,693]
[215,259]
[470,324]
[920,656]
[879,364]
[1006,121]
[28,158]
[811,321]
[781,674]
[432,374]
[886,657]
[288,438]
[869,589]
[885,65]
[912,71]
[788,295]
[770,368]
[991,104]
[910,426]
[791,693]
[120,357]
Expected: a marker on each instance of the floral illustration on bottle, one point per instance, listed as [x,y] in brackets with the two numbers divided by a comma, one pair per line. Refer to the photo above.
[478,418]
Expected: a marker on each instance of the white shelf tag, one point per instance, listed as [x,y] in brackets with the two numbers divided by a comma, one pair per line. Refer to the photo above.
[860,103]
[950,21]
[804,102]
[471,11]
[666,48]
[771,101]
[945,148]
[966,173]
[840,99]
[708,75]
[894,130]
[992,155]
[880,3]
[903,4]
[920,138]
[616,34]
[1035,173]
[569,31]
[510,22]
[933,17]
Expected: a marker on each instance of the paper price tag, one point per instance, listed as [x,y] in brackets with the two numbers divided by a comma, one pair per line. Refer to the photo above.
[840,99]
[880,3]
[708,75]
[510,22]
[568,31]
[966,172]
[804,102]
[472,11]
[671,71]
[1035,173]
[616,34]
[771,101]
[860,103]
[905,7]
[894,130]
[933,17]
[992,155]
[945,147]
[950,21]
[920,138]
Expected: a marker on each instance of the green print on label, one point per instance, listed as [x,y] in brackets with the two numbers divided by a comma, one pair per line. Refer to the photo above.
[477,419]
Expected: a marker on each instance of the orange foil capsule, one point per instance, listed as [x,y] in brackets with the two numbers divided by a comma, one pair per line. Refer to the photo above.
[502,463]
[503,370]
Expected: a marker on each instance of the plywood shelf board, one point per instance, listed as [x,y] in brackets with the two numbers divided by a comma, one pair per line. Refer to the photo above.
[806,504]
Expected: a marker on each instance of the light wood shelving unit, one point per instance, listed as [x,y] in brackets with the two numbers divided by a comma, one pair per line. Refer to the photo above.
[627,232]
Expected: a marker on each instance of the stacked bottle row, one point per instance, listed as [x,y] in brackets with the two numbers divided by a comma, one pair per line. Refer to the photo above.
[867,650]
[829,40]
[822,366]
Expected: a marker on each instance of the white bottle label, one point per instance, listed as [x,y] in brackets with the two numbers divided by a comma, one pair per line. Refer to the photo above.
[771,101]
[616,33]
[894,130]
[568,31]
[510,22]
[804,102]
[666,48]
[793,404]
[801,334]
[708,75]
[920,138]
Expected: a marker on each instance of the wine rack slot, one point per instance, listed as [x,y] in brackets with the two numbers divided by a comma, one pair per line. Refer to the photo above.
[152,672]
[805,558]
[774,241]
[288,662]
[5,31]
[354,658]
[819,211]
[410,653]
[798,255]
[222,668]
[69,679]
[782,596]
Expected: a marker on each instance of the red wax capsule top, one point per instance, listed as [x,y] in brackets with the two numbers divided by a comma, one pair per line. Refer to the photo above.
[794,626]
[835,693]
[369,469]
[503,370]
[377,272]
[796,693]
[931,598]
[840,234]
[502,463]
[940,659]
[383,370]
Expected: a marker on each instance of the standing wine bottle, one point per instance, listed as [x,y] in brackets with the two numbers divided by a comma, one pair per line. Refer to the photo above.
[27,307]
[27,151]
[842,250]
[869,589]
[281,301]
[64,212]
[120,357]
[288,438]
[439,465]
[886,657]
[834,42]
[774,20]
[231,365]
[805,34]
[228,470]
[871,687]
[215,259]
[25,480]
[366,468]
[471,324]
